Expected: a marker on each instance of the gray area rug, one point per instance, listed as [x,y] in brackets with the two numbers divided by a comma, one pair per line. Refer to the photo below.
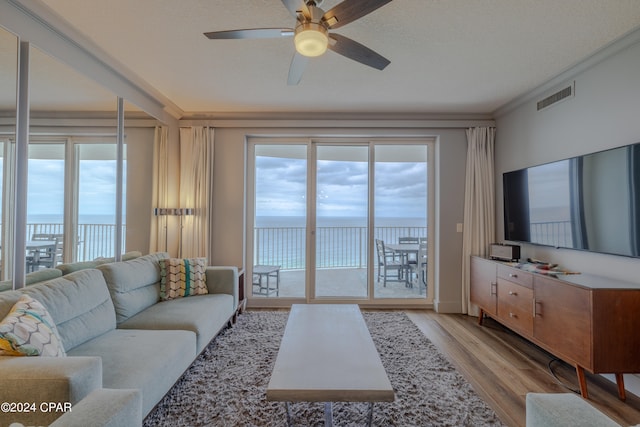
[226,385]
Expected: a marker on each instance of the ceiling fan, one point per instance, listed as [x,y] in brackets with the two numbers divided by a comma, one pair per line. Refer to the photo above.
[311,34]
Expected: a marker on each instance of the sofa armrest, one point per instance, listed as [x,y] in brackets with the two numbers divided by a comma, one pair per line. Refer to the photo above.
[42,380]
[106,408]
[563,410]
[223,280]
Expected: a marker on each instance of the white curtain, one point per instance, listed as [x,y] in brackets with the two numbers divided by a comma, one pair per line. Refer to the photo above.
[479,205]
[196,163]
[159,198]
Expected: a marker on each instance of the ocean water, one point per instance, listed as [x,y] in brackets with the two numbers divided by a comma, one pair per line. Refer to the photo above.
[82,219]
[341,242]
[300,221]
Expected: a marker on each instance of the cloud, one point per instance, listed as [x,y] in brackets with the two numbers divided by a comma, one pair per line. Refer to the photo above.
[97,187]
[342,188]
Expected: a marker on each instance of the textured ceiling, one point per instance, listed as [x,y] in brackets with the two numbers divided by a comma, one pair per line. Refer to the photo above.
[447,56]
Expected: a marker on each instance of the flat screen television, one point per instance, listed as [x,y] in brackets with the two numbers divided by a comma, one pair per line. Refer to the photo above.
[589,202]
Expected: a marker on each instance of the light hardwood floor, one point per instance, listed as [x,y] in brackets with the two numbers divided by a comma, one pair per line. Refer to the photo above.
[503,367]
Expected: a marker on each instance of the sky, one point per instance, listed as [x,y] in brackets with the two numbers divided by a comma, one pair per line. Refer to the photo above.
[400,188]
[97,186]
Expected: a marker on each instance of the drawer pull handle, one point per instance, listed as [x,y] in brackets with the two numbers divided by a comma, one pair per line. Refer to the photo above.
[513,315]
[515,294]
[492,289]
[513,275]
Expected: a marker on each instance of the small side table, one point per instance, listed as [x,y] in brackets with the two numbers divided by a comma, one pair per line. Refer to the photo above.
[262,272]
[242,301]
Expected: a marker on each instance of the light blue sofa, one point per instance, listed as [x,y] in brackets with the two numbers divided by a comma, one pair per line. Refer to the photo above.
[563,410]
[117,335]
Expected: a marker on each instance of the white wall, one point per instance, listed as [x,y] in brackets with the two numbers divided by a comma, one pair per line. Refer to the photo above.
[139,142]
[229,181]
[604,113]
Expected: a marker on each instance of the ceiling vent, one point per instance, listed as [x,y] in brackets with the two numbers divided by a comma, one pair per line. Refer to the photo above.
[561,95]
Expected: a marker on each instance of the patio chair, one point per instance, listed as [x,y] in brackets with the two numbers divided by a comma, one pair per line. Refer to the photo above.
[411,259]
[60,239]
[388,264]
[46,257]
[52,237]
[420,267]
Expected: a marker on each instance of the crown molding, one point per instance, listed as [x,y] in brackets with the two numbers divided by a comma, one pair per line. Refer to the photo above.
[336,120]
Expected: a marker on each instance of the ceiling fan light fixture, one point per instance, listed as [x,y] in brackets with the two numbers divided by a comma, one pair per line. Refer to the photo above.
[311,39]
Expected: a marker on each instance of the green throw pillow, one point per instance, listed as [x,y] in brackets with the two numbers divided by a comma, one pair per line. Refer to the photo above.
[28,330]
[182,277]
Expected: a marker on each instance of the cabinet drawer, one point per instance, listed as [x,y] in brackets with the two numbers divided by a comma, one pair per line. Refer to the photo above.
[563,320]
[515,306]
[515,275]
[483,284]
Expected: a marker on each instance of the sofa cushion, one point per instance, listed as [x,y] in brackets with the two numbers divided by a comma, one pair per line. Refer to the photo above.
[182,277]
[125,257]
[134,285]
[29,330]
[205,315]
[79,304]
[41,276]
[83,265]
[32,278]
[6,285]
[77,266]
[151,361]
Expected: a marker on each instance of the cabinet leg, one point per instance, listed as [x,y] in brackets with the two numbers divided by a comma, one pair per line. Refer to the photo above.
[622,394]
[582,381]
[480,317]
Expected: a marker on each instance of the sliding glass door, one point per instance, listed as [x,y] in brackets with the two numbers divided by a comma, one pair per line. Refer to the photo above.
[320,210]
[341,218]
[400,220]
[279,231]
[96,208]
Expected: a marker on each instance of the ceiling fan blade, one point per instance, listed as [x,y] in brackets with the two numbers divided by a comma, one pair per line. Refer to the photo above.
[298,65]
[294,6]
[350,10]
[252,33]
[354,50]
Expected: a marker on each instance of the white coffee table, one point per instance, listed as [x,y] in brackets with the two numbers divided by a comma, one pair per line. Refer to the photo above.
[327,355]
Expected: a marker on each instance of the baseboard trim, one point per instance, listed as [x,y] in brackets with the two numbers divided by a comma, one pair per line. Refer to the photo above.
[447,306]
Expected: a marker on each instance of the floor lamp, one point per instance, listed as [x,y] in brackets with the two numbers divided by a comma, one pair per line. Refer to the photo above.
[163,212]
[173,211]
[182,212]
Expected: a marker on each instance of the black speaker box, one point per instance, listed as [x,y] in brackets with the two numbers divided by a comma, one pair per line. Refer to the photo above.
[504,252]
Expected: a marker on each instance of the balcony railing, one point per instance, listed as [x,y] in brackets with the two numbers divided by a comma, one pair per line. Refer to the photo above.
[94,240]
[552,233]
[337,247]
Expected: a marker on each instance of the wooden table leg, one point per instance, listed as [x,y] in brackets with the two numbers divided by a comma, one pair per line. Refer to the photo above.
[622,394]
[582,381]
[480,317]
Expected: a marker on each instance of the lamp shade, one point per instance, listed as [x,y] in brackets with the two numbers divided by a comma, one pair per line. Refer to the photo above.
[311,39]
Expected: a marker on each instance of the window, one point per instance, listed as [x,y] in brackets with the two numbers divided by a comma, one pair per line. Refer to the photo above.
[316,209]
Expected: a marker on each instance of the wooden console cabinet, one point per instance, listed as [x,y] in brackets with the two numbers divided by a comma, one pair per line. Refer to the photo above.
[588,321]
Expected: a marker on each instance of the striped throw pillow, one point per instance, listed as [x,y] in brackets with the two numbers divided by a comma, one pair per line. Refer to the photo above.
[182,277]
